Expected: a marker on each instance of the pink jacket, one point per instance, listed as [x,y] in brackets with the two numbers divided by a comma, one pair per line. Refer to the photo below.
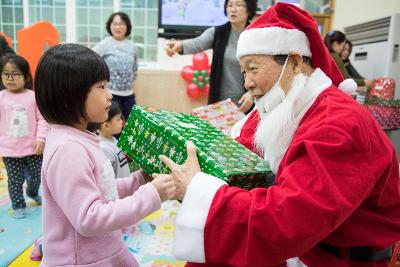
[21,124]
[85,207]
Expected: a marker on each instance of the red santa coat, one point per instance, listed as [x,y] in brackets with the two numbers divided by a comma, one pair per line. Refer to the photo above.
[338,183]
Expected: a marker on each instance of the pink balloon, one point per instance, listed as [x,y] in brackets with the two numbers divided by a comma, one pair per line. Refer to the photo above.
[193,91]
[200,61]
[187,73]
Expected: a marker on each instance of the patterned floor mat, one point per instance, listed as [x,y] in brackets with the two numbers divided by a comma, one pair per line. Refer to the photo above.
[16,235]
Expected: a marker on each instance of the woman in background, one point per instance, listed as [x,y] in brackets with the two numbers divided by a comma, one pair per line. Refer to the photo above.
[348,47]
[335,41]
[120,54]
[226,80]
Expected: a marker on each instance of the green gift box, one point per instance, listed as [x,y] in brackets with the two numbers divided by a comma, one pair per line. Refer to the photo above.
[150,133]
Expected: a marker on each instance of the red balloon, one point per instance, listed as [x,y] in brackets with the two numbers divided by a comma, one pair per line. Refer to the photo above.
[200,61]
[209,70]
[201,79]
[187,73]
[193,90]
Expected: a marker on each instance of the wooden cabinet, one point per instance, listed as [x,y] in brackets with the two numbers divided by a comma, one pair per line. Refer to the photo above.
[164,89]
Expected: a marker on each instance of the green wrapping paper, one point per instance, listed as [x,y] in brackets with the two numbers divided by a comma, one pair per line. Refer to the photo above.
[150,133]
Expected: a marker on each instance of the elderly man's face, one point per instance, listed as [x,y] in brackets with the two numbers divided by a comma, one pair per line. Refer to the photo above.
[260,72]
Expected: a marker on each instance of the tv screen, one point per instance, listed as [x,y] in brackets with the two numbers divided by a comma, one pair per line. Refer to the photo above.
[188,18]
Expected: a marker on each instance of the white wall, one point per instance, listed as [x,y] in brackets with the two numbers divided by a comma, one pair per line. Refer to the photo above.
[350,12]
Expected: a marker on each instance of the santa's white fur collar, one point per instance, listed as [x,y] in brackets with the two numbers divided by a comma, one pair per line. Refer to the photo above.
[276,129]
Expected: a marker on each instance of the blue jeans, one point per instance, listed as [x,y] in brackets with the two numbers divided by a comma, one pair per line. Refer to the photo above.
[126,103]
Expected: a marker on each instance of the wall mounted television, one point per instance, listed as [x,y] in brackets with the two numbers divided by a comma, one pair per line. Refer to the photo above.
[188,18]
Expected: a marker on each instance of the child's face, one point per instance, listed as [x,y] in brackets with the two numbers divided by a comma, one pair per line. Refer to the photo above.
[12,78]
[98,102]
[116,123]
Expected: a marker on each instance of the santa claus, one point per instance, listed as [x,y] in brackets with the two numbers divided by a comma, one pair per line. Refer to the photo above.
[336,201]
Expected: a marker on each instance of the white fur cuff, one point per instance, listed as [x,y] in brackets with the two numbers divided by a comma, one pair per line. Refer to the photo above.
[189,233]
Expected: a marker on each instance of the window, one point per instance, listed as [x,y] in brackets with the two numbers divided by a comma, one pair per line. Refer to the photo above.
[11,18]
[144,18]
[91,18]
[49,10]
[87,26]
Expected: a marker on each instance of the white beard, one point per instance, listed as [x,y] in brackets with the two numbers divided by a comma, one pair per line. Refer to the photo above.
[277,127]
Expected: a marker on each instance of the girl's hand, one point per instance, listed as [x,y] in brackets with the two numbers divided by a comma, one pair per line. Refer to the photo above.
[39,147]
[164,183]
[147,177]
[184,173]
[246,102]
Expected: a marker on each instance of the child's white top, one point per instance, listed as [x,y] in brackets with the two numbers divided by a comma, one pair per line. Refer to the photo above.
[21,124]
[119,162]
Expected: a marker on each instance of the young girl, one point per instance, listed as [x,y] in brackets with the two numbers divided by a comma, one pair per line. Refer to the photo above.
[22,132]
[85,207]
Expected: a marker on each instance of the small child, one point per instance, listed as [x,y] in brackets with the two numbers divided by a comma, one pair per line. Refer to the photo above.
[85,207]
[22,132]
[108,143]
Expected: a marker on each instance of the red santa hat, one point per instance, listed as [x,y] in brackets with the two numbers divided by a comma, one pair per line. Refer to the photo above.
[285,28]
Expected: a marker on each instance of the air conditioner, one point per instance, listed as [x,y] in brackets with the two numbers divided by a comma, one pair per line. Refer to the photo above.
[376,48]
[376,53]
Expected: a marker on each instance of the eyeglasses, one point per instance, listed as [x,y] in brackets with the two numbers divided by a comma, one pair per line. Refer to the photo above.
[118,24]
[14,75]
[237,5]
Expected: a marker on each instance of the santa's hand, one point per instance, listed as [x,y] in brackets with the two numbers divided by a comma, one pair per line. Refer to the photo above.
[184,173]
[246,102]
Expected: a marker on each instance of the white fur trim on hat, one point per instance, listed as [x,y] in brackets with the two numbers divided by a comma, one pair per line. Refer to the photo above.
[272,41]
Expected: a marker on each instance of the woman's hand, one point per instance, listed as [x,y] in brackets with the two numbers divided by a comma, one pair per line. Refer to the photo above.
[184,173]
[368,83]
[173,46]
[246,102]
[39,147]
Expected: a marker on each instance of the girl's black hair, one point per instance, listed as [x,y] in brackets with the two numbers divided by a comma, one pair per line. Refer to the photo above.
[251,6]
[114,110]
[334,36]
[350,46]
[21,64]
[63,79]
[123,17]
